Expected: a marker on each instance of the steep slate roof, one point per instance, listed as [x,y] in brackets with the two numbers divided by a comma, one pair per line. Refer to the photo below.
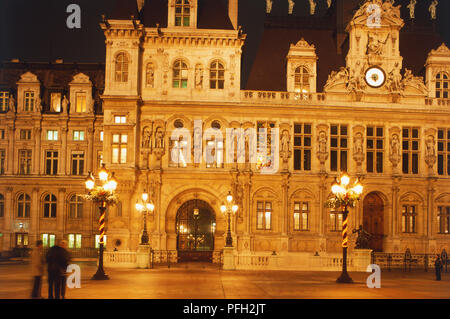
[268,72]
[53,77]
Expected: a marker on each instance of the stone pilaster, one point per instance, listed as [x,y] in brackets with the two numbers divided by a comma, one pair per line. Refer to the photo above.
[37,151]
[90,150]
[11,156]
[34,216]
[61,215]
[63,156]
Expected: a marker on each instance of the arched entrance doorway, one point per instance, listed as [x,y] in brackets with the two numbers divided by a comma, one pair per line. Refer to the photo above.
[373,220]
[195,227]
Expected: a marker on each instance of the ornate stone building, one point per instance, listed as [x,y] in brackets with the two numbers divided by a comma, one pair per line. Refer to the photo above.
[361,89]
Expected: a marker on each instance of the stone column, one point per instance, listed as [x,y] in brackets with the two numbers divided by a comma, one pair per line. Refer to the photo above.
[37,152]
[90,150]
[11,157]
[323,192]
[430,229]
[285,213]
[395,208]
[8,218]
[61,215]
[34,216]
[63,156]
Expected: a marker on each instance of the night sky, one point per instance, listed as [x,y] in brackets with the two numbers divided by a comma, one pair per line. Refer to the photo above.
[35,30]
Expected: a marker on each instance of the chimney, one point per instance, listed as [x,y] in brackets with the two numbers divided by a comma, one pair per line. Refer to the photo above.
[233,12]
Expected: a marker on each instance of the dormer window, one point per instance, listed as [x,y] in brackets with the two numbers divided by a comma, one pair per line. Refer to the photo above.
[4,101]
[122,67]
[55,102]
[180,74]
[182,13]
[217,75]
[28,101]
[301,80]
[80,102]
[442,88]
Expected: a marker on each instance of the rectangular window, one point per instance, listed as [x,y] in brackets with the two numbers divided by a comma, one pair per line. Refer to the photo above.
[101,136]
[444,151]
[51,162]
[78,135]
[77,163]
[97,241]
[48,240]
[336,218]
[302,147]
[25,162]
[119,148]
[215,150]
[177,154]
[411,149]
[2,134]
[409,219]
[120,119]
[2,161]
[74,241]
[444,219]
[21,240]
[99,159]
[4,101]
[264,141]
[55,102]
[25,134]
[264,215]
[301,215]
[338,148]
[52,135]
[375,149]
[28,101]
[80,102]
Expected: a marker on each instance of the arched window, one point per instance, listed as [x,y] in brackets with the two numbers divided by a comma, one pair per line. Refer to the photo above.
[442,89]
[182,13]
[301,80]
[180,74]
[23,206]
[122,67]
[2,205]
[76,207]
[150,75]
[216,75]
[50,206]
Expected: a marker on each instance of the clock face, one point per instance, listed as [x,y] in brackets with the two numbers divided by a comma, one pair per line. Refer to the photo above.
[375,77]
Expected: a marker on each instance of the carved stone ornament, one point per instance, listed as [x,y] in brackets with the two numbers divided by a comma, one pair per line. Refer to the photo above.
[412,8]
[12,104]
[395,152]
[433,8]
[269,6]
[358,148]
[312,7]
[430,151]
[322,151]
[291,6]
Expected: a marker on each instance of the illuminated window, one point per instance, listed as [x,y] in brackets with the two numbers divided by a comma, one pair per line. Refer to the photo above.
[51,162]
[101,136]
[80,102]
[78,135]
[99,159]
[119,148]
[336,218]
[182,13]
[444,219]
[214,151]
[217,75]
[180,74]
[264,141]
[52,135]
[4,101]
[25,162]
[21,240]
[28,101]
[55,102]
[76,207]
[23,205]
[263,215]
[301,80]
[50,205]
[74,241]
[444,151]
[78,163]
[411,150]
[122,67]
[339,148]
[409,215]
[177,153]
[375,149]
[97,241]
[442,87]
[301,215]
[48,240]
[25,134]
[302,147]
[120,119]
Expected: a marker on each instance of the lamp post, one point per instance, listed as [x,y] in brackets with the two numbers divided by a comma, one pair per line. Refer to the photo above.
[227,210]
[144,207]
[345,196]
[104,195]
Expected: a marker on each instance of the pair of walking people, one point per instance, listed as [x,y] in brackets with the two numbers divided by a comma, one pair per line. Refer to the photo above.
[57,259]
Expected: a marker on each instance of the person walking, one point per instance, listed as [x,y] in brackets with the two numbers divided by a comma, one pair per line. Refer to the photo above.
[57,260]
[438,267]
[37,269]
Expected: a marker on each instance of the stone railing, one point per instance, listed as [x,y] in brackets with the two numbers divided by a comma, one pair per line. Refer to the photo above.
[120,259]
[275,97]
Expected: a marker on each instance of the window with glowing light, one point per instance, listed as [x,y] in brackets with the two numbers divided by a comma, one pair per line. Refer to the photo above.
[443,219]
[80,102]
[74,241]
[409,216]
[4,101]
[121,68]
[336,218]
[97,241]
[55,102]
[263,215]
[28,101]
[119,148]
[25,162]
[180,74]
[442,85]
[301,216]
[178,152]
[301,80]
[48,240]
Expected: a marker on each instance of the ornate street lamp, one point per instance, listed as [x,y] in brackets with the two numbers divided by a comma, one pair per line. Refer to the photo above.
[227,210]
[143,207]
[104,195]
[345,196]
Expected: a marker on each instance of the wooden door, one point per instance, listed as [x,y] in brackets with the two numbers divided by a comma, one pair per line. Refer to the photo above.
[373,220]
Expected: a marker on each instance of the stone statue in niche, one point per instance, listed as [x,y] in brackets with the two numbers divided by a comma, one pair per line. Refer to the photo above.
[430,152]
[91,106]
[412,8]
[394,80]
[198,77]
[291,6]
[150,81]
[198,140]
[312,7]
[375,44]
[395,150]
[432,9]
[38,103]
[159,138]
[146,138]
[65,103]
[358,146]
[322,139]
[285,149]
[12,104]
[269,6]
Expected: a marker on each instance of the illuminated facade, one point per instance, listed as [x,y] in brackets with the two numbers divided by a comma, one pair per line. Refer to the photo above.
[343,90]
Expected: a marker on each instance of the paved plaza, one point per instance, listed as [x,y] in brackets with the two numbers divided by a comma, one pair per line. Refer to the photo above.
[207,281]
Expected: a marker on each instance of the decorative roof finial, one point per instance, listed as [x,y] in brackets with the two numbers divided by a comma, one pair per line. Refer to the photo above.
[140,4]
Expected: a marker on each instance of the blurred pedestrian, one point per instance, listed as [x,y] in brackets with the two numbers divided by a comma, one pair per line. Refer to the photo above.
[37,269]
[57,260]
[438,267]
